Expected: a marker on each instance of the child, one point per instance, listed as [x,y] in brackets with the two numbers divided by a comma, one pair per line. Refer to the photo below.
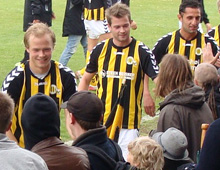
[145,154]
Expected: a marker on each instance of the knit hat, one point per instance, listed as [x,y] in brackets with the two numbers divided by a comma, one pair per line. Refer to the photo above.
[174,144]
[40,119]
[84,105]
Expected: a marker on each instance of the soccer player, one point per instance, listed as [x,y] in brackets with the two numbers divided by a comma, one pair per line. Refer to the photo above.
[187,41]
[204,18]
[39,74]
[214,32]
[121,63]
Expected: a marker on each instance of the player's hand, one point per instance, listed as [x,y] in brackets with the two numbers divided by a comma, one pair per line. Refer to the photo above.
[208,56]
[149,105]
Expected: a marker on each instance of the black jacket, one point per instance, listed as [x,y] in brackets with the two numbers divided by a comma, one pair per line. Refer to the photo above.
[73,20]
[37,10]
[97,137]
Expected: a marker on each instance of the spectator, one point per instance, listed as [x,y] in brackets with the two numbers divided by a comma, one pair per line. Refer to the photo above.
[206,76]
[209,156]
[174,144]
[214,32]
[74,29]
[85,111]
[41,125]
[39,74]
[184,106]
[11,155]
[145,153]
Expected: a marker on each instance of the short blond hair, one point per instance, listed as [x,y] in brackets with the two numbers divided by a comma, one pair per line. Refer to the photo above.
[118,10]
[147,153]
[38,30]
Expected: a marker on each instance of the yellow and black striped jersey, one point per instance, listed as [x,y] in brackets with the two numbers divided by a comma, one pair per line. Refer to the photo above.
[95,9]
[175,43]
[215,33]
[21,84]
[117,64]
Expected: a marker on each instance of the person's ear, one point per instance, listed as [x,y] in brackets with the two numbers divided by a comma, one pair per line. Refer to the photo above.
[179,16]
[101,117]
[9,126]
[196,82]
[72,118]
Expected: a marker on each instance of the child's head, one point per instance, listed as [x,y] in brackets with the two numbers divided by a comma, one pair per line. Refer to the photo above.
[145,153]
[206,75]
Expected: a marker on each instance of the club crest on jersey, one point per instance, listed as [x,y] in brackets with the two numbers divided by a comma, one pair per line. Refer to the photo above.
[198,51]
[54,89]
[130,61]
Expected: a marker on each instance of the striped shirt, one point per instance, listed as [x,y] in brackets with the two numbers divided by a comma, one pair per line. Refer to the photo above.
[192,49]
[95,10]
[21,84]
[117,64]
[215,33]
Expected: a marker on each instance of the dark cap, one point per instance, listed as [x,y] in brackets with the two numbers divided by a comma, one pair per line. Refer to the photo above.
[84,105]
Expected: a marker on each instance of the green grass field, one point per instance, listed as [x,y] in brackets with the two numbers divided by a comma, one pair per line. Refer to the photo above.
[154,19]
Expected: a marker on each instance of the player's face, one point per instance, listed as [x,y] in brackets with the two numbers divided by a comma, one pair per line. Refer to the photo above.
[190,20]
[40,51]
[120,29]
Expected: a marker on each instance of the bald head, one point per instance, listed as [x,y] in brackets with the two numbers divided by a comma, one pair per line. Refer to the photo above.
[205,74]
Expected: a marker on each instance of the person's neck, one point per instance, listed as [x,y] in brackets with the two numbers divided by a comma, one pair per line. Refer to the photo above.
[35,70]
[186,35]
[78,131]
[122,44]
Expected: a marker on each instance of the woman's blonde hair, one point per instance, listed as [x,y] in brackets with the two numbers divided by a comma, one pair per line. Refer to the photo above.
[147,154]
[175,73]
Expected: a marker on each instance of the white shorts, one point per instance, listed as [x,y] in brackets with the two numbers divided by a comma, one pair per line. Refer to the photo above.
[96,28]
[125,137]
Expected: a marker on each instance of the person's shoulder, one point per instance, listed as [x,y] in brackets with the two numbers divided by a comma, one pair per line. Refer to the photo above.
[64,69]
[208,37]
[169,34]
[15,75]
[144,49]
[35,161]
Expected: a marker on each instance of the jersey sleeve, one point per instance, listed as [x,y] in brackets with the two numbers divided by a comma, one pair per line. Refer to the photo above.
[148,62]
[69,83]
[211,33]
[13,83]
[161,47]
[92,66]
[214,45]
